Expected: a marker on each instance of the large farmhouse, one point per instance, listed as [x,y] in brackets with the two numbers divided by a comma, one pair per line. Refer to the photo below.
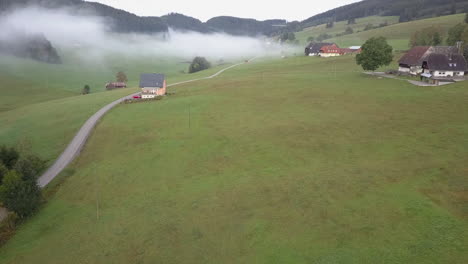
[412,61]
[440,67]
[313,49]
[152,85]
[434,64]
[329,50]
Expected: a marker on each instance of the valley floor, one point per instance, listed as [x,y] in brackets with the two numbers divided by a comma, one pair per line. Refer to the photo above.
[278,161]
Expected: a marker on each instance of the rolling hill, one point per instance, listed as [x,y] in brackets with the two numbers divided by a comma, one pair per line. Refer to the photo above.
[276,161]
[397,34]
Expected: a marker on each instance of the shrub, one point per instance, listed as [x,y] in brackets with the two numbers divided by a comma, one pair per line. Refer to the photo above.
[18,195]
[86,89]
[199,64]
[9,156]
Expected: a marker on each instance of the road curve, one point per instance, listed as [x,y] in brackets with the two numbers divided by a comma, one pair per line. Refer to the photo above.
[76,145]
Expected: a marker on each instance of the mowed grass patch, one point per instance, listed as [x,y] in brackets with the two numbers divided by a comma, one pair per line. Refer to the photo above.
[274,162]
[24,82]
[48,126]
[398,35]
[341,26]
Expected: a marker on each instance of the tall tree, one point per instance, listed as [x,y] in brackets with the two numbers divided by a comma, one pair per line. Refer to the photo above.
[121,77]
[455,33]
[453,8]
[351,21]
[376,52]
[431,36]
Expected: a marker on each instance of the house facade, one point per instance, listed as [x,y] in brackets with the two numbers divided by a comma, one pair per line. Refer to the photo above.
[330,51]
[152,85]
[313,49]
[411,63]
[440,67]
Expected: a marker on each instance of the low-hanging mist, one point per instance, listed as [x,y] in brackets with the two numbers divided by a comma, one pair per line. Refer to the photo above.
[89,38]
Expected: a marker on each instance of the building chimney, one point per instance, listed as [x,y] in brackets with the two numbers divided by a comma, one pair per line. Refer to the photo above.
[460,47]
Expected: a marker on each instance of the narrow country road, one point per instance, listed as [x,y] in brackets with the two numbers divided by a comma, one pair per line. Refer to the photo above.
[76,145]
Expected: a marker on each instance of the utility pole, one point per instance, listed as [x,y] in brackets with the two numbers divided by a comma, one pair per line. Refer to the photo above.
[460,47]
[97,197]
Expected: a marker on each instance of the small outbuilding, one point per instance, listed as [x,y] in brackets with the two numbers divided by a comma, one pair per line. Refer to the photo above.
[152,85]
[115,85]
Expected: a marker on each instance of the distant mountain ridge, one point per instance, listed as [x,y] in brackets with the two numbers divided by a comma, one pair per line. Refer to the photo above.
[127,22]
[406,9]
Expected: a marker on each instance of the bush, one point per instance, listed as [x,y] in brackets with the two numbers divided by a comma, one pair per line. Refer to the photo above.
[369,27]
[18,195]
[3,171]
[324,36]
[9,156]
[86,89]
[29,167]
[199,64]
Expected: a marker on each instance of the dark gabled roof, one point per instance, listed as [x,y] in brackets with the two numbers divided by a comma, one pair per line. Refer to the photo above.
[315,47]
[446,50]
[441,62]
[414,57]
[152,80]
[417,55]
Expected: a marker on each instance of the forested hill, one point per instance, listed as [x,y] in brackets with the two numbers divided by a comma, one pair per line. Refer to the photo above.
[406,9]
[122,21]
[243,26]
[127,22]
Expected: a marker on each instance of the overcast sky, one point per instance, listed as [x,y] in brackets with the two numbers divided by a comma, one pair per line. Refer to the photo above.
[206,9]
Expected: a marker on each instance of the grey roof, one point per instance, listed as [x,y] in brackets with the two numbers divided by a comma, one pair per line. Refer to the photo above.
[152,80]
[441,62]
[446,50]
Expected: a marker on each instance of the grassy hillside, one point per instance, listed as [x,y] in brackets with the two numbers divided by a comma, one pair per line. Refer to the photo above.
[398,35]
[341,26]
[24,82]
[40,104]
[274,162]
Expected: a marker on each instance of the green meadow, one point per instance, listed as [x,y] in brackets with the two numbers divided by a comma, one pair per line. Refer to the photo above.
[340,27]
[41,105]
[301,160]
[398,35]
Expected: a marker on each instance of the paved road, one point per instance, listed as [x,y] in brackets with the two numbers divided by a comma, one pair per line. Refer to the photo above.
[76,145]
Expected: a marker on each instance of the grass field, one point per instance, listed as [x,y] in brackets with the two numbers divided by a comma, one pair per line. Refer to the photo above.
[273,162]
[341,26]
[40,104]
[36,82]
[397,34]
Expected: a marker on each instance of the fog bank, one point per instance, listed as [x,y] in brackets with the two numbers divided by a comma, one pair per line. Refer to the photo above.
[90,37]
